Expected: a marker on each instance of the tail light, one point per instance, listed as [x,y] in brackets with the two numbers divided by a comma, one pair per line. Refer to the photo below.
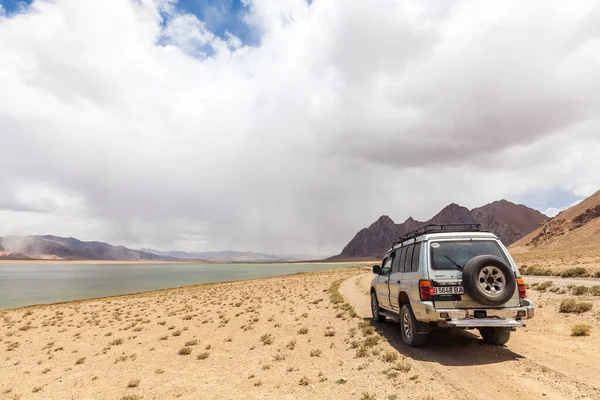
[425,290]
[521,285]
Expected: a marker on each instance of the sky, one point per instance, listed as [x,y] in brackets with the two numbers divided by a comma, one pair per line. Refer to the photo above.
[286,126]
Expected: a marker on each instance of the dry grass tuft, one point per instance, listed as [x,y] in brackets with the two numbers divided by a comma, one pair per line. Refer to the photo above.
[581,330]
[573,306]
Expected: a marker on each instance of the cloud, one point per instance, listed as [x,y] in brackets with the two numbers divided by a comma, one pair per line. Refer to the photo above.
[132,122]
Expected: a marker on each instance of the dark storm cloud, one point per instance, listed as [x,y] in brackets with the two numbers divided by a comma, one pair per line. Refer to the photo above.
[127,132]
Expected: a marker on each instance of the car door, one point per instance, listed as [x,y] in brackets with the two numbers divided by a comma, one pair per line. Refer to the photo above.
[396,277]
[382,285]
[410,277]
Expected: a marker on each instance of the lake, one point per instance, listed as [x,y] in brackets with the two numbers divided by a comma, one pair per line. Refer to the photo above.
[23,284]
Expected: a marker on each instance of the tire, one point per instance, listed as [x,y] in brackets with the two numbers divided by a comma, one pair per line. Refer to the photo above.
[489,280]
[375,309]
[407,327]
[495,336]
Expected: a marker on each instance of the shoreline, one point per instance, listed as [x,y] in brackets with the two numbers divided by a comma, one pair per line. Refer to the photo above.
[158,291]
[92,262]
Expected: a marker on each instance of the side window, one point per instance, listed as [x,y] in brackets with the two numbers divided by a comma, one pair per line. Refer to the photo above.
[407,264]
[416,257]
[396,262]
[387,266]
[403,259]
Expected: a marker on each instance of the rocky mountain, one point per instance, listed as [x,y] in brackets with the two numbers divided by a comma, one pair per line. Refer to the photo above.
[509,221]
[575,227]
[60,248]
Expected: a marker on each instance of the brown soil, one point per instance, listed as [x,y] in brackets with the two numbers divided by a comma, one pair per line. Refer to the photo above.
[283,338]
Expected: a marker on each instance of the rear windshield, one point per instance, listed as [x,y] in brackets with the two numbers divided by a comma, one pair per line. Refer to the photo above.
[462,251]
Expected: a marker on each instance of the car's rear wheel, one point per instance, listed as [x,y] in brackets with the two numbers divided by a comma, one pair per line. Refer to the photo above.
[377,317]
[407,326]
[495,336]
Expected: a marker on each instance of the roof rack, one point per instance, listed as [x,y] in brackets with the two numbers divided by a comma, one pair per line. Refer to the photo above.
[440,228]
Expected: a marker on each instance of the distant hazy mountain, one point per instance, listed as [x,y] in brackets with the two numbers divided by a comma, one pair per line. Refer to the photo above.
[60,248]
[507,220]
[230,256]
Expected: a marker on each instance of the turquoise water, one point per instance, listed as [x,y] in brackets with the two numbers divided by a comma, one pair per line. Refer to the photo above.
[27,284]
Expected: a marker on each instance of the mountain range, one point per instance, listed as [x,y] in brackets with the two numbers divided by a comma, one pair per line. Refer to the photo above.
[48,247]
[227,256]
[575,227]
[59,248]
[509,221]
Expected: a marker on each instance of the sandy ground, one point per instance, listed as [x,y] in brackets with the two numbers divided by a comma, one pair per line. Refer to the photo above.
[559,260]
[283,338]
[279,338]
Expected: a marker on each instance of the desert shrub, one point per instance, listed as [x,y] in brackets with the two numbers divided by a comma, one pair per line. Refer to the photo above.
[185,351]
[304,381]
[597,274]
[203,356]
[537,270]
[372,341]
[581,330]
[315,353]
[574,272]
[267,339]
[390,356]
[303,331]
[361,352]
[191,342]
[543,286]
[133,383]
[595,290]
[580,290]
[573,306]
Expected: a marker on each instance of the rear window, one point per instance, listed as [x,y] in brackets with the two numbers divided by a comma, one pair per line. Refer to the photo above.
[462,251]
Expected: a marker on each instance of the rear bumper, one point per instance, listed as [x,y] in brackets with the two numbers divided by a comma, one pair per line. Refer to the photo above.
[511,317]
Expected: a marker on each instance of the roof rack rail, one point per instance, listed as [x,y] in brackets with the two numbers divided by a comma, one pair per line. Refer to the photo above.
[440,228]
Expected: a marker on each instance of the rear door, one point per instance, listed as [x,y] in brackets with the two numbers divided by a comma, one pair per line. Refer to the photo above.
[396,276]
[382,283]
[448,278]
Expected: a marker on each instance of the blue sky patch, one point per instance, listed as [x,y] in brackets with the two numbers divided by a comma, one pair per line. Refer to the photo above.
[555,197]
[221,16]
[11,6]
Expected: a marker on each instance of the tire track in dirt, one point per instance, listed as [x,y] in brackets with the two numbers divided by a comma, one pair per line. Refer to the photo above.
[531,366]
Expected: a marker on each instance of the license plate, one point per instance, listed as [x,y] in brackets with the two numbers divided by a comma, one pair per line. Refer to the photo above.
[439,290]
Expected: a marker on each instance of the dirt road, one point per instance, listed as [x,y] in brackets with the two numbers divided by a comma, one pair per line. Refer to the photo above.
[563,281]
[540,361]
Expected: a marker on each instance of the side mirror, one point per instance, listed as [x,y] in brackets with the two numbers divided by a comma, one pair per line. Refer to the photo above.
[377,269]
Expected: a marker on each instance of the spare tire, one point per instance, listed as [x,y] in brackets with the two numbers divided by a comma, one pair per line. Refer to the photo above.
[489,280]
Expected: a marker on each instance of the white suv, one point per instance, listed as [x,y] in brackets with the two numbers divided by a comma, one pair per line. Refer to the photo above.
[451,275]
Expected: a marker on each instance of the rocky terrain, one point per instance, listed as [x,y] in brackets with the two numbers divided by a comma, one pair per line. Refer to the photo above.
[509,221]
[575,227]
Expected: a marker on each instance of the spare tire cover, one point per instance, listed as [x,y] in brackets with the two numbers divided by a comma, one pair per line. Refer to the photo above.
[489,280]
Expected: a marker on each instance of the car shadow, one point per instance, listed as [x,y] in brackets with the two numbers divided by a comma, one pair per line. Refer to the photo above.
[449,347]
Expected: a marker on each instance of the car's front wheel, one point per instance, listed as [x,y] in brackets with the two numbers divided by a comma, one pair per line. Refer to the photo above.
[377,317]
[495,336]
[407,326]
